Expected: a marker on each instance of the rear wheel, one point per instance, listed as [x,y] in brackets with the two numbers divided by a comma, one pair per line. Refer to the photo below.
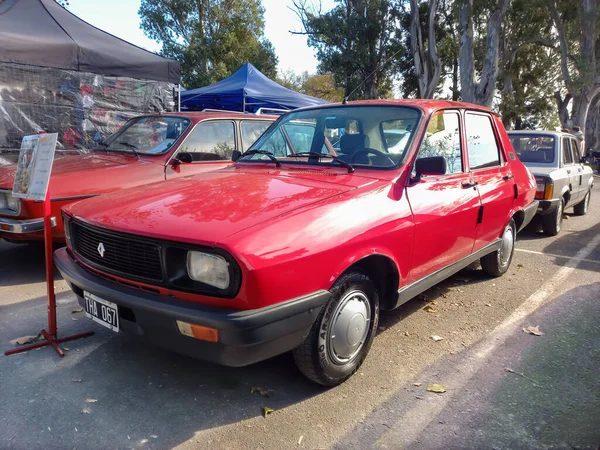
[582,207]
[497,263]
[552,223]
[340,338]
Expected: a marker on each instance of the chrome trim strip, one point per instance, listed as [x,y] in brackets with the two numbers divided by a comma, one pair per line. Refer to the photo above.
[24,226]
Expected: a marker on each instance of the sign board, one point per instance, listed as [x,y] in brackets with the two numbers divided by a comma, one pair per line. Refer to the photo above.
[34,166]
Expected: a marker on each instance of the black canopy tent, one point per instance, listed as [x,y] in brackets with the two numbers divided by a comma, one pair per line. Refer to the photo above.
[53,64]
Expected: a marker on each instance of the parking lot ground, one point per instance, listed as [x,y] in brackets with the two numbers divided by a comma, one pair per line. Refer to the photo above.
[140,396]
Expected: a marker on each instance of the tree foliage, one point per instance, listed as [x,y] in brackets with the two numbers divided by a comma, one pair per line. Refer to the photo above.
[356,42]
[317,85]
[211,38]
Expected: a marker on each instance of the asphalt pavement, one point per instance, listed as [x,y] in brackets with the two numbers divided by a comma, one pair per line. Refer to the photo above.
[504,388]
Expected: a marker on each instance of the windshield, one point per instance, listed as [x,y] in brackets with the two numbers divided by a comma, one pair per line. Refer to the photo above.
[373,136]
[151,135]
[534,148]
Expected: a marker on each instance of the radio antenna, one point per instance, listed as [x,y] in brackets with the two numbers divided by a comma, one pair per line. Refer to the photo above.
[345,101]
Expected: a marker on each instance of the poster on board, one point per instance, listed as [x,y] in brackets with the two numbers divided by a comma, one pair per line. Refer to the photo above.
[34,166]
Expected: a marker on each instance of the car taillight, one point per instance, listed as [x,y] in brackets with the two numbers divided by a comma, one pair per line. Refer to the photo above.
[544,188]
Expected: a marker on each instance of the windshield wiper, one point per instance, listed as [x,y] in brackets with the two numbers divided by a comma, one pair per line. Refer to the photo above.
[262,152]
[105,145]
[131,146]
[327,155]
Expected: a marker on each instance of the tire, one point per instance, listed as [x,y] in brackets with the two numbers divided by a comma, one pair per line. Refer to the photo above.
[552,223]
[354,303]
[497,263]
[582,207]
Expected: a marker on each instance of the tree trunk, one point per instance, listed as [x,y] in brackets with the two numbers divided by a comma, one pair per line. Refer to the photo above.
[592,126]
[465,52]
[428,66]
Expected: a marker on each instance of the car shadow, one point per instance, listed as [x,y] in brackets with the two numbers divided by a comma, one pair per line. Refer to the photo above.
[141,396]
[23,263]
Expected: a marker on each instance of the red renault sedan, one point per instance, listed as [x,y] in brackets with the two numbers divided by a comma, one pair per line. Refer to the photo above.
[145,150]
[335,213]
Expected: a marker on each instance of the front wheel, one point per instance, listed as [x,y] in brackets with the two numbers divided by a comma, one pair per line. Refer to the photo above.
[582,207]
[497,263]
[341,336]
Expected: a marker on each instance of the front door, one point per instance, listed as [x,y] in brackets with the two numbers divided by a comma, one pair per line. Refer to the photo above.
[492,175]
[444,207]
[582,185]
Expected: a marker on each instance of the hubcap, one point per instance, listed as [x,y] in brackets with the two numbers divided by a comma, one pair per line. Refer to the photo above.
[559,216]
[349,327]
[506,246]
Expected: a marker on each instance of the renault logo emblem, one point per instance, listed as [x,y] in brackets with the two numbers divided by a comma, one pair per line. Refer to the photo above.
[101,249]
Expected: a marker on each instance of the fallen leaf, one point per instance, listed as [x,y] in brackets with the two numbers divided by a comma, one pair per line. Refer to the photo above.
[27,339]
[417,384]
[259,390]
[300,440]
[488,304]
[430,309]
[49,429]
[85,411]
[76,381]
[436,338]
[267,411]
[444,295]
[90,400]
[78,310]
[73,318]
[520,266]
[437,388]
[406,333]
[533,330]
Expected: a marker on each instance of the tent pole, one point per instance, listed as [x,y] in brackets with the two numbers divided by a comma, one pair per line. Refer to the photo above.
[243,103]
[179,98]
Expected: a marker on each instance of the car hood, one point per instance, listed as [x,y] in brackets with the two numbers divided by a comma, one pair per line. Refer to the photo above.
[80,175]
[207,208]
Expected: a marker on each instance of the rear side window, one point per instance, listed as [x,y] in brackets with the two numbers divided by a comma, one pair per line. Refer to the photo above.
[211,141]
[575,148]
[251,131]
[567,157]
[442,138]
[482,147]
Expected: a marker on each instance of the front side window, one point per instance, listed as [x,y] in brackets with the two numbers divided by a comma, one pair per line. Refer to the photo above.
[251,131]
[482,147]
[567,157]
[211,141]
[534,148]
[442,138]
[152,135]
[353,134]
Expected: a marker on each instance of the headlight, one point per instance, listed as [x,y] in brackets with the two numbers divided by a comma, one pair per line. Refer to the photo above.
[209,269]
[67,228]
[10,203]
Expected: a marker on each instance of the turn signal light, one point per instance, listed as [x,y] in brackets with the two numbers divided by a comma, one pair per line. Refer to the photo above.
[198,331]
[4,227]
[548,191]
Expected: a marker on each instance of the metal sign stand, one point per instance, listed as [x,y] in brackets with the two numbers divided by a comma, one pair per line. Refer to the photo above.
[51,335]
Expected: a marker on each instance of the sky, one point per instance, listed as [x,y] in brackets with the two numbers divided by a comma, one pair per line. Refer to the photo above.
[120,18]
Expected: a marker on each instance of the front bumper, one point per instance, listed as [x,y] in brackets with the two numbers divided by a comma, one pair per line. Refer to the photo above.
[24,226]
[245,337]
[547,206]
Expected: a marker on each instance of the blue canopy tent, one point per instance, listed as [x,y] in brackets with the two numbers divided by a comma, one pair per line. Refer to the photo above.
[246,90]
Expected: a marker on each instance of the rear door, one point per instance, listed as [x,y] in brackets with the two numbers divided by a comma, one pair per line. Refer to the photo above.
[444,207]
[570,168]
[211,144]
[582,181]
[492,176]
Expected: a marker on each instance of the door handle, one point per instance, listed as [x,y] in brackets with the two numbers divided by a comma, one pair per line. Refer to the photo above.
[470,183]
[508,177]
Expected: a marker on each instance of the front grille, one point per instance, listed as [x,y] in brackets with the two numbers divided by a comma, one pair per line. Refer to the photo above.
[123,254]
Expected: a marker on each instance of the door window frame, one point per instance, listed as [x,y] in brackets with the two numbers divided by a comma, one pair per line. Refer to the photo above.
[566,139]
[501,157]
[235,139]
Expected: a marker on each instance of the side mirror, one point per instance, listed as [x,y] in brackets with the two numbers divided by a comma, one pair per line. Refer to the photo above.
[433,165]
[236,155]
[184,157]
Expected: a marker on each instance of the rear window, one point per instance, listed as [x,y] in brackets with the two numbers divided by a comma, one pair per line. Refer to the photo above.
[534,148]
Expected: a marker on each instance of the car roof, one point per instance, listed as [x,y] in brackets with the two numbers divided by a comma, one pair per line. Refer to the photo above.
[540,132]
[427,105]
[198,116]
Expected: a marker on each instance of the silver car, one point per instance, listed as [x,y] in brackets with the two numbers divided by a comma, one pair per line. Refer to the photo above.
[563,181]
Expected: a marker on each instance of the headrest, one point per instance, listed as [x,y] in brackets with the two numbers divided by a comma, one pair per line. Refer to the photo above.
[349,143]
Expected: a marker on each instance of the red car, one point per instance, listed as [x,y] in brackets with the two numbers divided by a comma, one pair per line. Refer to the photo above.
[302,242]
[145,150]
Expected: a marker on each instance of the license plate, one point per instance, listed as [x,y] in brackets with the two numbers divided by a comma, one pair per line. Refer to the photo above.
[102,311]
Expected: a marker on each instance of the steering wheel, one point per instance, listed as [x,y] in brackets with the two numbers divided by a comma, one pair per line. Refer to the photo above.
[367,151]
